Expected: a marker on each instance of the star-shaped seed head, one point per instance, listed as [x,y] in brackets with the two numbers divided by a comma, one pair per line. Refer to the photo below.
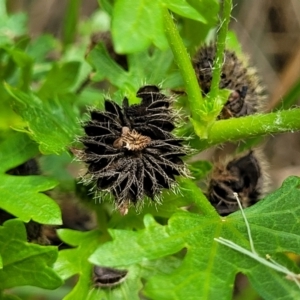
[130,150]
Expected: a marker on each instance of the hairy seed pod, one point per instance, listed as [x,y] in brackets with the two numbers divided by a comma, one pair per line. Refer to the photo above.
[130,151]
[245,175]
[104,277]
[247,96]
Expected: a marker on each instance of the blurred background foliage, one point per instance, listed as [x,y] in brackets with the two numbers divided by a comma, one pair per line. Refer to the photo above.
[60,30]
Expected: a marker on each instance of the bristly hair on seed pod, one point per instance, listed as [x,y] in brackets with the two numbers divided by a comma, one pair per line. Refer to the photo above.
[247,96]
[130,150]
[245,175]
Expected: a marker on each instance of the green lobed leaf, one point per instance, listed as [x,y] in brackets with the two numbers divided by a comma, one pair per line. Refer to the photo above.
[209,267]
[25,263]
[21,195]
[53,123]
[67,265]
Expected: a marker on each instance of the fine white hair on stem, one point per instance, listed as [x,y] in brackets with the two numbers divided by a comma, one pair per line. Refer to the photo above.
[268,261]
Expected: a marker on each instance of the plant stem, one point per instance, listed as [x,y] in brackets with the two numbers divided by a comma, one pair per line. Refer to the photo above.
[221,41]
[184,64]
[241,128]
[70,22]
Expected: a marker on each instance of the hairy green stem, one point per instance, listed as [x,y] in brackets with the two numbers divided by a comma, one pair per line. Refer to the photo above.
[236,129]
[184,64]
[221,41]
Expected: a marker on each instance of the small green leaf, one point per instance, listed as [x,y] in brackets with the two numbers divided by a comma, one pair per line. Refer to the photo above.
[200,169]
[209,9]
[59,80]
[40,47]
[209,111]
[25,263]
[183,8]
[21,195]
[53,123]
[142,21]
[107,68]
[15,150]
[232,43]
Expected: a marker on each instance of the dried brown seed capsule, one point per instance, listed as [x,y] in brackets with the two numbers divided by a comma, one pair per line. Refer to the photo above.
[104,277]
[131,140]
[247,95]
[244,175]
[131,151]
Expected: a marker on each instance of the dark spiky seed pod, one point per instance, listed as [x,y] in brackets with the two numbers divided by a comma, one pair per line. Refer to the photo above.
[104,277]
[130,151]
[247,95]
[245,175]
